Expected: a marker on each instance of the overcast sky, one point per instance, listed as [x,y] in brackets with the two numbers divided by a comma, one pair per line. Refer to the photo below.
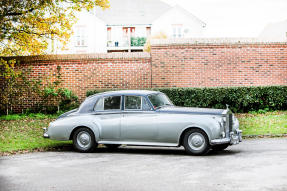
[235,18]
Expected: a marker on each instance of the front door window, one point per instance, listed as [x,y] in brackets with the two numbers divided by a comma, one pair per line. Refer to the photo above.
[136,103]
[133,103]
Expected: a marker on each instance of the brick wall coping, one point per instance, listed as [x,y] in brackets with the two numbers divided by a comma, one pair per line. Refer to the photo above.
[213,41]
[114,55]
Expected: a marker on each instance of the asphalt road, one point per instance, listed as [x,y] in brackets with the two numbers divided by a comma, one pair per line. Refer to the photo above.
[258,164]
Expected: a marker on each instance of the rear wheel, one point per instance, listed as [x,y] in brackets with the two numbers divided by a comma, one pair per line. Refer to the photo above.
[195,142]
[84,140]
[219,147]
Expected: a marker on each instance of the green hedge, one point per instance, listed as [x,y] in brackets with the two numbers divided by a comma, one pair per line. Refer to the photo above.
[240,99]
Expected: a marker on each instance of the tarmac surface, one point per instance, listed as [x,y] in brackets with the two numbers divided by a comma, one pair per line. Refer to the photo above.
[254,164]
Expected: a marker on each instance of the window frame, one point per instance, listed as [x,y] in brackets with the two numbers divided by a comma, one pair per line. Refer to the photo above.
[81,36]
[143,97]
[177,31]
[133,109]
[153,107]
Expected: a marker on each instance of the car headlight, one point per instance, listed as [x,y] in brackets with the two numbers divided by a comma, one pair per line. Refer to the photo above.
[222,129]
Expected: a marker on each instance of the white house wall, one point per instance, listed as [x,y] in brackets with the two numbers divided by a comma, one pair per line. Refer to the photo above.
[96,31]
[100,35]
[96,36]
[176,16]
[140,31]
[275,32]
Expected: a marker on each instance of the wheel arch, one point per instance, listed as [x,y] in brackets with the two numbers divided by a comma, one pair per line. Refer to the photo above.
[83,126]
[180,140]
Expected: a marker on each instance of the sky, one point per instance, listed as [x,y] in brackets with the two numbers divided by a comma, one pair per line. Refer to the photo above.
[235,18]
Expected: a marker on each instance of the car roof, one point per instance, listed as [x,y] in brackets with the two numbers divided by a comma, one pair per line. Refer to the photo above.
[87,105]
[125,92]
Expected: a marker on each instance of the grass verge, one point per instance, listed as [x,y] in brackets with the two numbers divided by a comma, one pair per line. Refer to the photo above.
[23,133]
[267,124]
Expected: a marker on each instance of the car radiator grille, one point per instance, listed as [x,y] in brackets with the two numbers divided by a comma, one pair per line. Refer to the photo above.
[230,122]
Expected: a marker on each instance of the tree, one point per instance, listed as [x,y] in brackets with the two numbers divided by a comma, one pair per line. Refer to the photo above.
[10,92]
[28,25]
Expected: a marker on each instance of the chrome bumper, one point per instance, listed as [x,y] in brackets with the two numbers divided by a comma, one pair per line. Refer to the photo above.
[45,135]
[233,139]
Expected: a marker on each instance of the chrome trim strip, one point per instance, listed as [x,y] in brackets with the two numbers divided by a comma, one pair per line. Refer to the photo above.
[139,143]
[220,141]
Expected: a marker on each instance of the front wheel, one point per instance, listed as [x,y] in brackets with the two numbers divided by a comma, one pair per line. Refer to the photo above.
[195,142]
[84,140]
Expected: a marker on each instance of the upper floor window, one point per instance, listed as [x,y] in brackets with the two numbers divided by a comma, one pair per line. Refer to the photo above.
[148,31]
[129,31]
[81,35]
[109,33]
[177,31]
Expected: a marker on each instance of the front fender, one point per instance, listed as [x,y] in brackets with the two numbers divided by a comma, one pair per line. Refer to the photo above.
[210,126]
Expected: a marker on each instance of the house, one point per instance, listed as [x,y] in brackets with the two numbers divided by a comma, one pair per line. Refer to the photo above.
[275,32]
[126,25]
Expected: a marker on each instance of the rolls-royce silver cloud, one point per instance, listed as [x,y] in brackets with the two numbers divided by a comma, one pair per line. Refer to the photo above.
[142,117]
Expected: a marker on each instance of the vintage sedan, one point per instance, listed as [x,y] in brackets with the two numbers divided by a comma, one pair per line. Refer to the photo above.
[149,118]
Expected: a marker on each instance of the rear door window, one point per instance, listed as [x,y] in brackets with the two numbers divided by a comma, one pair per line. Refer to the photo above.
[112,103]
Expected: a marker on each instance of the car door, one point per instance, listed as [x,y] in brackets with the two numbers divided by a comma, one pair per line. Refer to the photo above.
[108,115]
[138,121]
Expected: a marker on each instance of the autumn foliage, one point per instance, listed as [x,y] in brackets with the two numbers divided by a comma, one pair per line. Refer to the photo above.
[28,26]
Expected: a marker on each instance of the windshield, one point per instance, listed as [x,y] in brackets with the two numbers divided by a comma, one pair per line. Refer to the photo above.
[159,100]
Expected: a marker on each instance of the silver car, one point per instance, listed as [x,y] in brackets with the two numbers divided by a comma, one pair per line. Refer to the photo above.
[141,117]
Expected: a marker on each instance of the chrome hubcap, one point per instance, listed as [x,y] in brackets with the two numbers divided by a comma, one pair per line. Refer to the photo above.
[84,139]
[196,141]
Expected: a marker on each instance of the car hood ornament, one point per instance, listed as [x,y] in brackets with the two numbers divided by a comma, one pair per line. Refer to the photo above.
[227,106]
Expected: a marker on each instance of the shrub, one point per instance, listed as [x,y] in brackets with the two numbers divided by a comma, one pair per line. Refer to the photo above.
[240,99]
[59,99]
[138,41]
[45,94]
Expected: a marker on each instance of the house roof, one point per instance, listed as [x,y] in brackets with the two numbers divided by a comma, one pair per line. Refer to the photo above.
[132,12]
[275,31]
[189,14]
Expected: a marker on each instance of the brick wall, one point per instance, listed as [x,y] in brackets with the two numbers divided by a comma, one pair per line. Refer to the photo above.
[209,63]
[87,72]
[177,63]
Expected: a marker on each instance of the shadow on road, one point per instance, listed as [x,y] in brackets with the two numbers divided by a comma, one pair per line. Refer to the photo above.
[147,150]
